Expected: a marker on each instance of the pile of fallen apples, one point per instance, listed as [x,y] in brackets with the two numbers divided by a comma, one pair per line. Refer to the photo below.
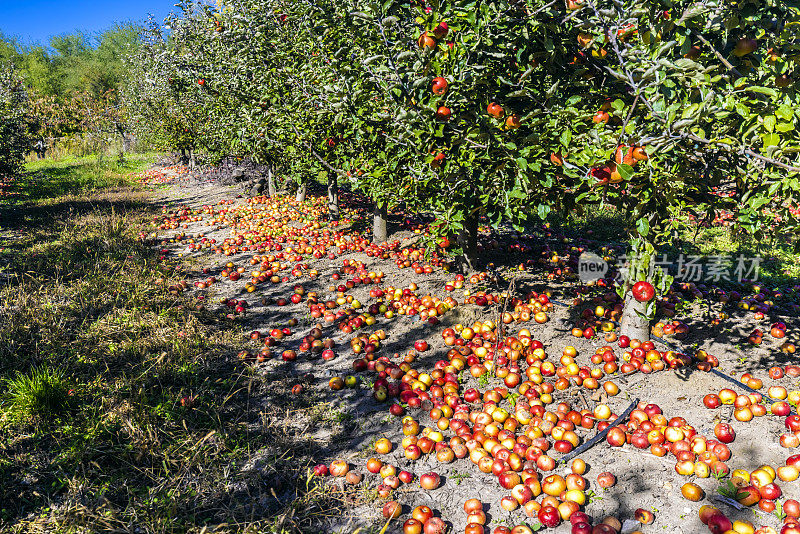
[516,431]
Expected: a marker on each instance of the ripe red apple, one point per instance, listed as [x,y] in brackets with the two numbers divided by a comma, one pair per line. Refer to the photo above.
[549,516]
[320,470]
[339,468]
[439,86]
[495,110]
[712,401]
[392,509]
[412,526]
[770,491]
[781,408]
[441,30]
[724,432]
[606,480]
[643,291]
[791,508]
[422,513]
[748,495]
[579,517]
[643,516]
[430,481]
[718,524]
[793,423]
[435,525]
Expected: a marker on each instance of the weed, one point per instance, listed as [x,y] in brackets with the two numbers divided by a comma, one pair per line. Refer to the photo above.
[729,490]
[592,496]
[483,381]
[458,477]
[37,394]
[83,292]
[779,513]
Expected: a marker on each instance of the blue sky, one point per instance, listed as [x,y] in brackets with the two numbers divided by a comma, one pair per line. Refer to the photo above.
[35,21]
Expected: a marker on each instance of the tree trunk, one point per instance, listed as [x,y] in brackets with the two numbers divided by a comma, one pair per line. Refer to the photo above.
[270,182]
[333,196]
[302,189]
[191,159]
[641,266]
[468,240]
[379,224]
[634,324]
[184,157]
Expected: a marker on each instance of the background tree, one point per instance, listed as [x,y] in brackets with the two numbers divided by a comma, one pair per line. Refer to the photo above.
[14,139]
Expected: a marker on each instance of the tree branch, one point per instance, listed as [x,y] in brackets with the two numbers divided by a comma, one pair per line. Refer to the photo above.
[314,153]
[748,152]
[720,57]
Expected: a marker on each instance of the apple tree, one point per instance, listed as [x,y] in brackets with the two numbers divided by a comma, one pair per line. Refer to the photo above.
[160,104]
[259,87]
[679,108]
[434,128]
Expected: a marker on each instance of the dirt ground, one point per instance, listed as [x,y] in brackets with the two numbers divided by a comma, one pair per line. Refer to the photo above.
[354,420]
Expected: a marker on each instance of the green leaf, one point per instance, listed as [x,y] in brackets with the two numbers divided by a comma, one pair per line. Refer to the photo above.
[769,122]
[642,226]
[784,112]
[626,171]
[565,138]
[764,91]
[772,139]
[543,211]
[784,127]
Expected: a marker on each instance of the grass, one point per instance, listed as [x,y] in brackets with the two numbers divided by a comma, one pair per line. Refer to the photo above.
[95,359]
[47,179]
[34,396]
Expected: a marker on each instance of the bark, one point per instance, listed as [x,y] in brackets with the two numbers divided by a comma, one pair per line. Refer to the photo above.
[184,157]
[468,240]
[379,224]
[333,196]
[270,182]
[634,324]
[192,162]
[302,189]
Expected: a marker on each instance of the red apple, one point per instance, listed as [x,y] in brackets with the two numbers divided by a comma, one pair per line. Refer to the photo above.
[435,525]
[549,516]
[724,432]
[429,481]
[392,509]
[643,291]
[712,401]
